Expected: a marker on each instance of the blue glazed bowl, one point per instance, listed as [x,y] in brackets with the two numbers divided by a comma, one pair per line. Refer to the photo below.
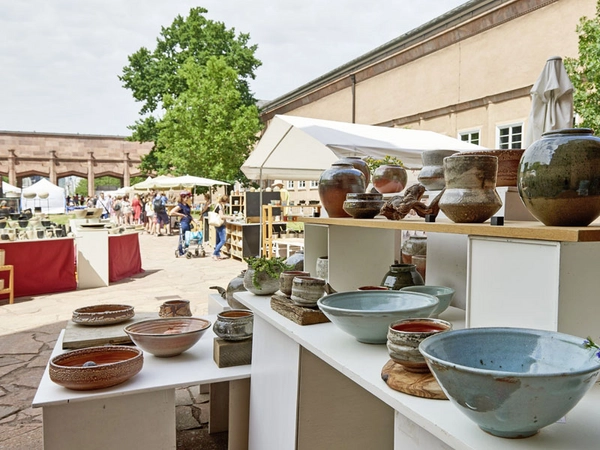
[367,315]
[511,381]
[443,293]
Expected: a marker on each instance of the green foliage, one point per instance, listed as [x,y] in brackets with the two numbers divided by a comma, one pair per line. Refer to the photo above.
[375,163]
[208,129]
[584,72]
[271,266]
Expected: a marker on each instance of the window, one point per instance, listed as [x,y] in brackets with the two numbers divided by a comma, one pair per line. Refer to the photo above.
[301,184]
[510,136]
[314,184]
[290,185]
[470,136]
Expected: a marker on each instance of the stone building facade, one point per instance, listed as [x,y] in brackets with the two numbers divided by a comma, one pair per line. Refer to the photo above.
[57,156]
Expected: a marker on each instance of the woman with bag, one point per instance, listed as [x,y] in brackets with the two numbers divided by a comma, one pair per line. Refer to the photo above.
[214,218]
[183,211]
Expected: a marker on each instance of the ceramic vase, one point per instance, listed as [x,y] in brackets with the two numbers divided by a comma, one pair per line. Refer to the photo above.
[470,195]
[337,181]
[322,267]
[234,325]
[508,164]
[432,174]
[402,275]
[266,284]
[414,245]
[235,285]
[389,178]
[559,177]
[359,164]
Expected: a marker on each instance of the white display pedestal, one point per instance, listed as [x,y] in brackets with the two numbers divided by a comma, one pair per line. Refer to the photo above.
[92,258]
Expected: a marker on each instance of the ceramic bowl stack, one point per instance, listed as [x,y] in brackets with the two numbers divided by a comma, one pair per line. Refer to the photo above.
[511,381]
[367,315]
[363,205]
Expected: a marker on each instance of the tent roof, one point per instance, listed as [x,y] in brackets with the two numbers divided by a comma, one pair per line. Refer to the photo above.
[168,182]
[10,188]
[298,148]
[43,186]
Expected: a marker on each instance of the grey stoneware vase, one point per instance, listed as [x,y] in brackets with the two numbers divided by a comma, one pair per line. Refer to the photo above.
[432,174]
[470,195]
[559,177]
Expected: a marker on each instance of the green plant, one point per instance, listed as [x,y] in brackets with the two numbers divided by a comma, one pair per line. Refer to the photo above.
[271,266]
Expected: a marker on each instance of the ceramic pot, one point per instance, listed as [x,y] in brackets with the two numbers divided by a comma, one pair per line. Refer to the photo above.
[401,275]
[322,267]
[414,245]
[470,195]
[286,278]
[235,285]
[432,174]
[175,308]
[508,163]
[389,178]
[306,291]
[296,261]
[559,177]
[234,325]
[266,284]
[335,183]
[359,164]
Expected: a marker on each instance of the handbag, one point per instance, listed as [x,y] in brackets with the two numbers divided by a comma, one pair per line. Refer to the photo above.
[214,219]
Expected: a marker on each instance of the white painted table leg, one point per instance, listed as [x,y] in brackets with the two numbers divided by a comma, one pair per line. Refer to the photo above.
[239,414]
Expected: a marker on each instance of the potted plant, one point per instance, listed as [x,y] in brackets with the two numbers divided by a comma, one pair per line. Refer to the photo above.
[262,276]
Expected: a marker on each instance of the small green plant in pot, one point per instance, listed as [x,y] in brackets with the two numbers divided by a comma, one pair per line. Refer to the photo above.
[262,276]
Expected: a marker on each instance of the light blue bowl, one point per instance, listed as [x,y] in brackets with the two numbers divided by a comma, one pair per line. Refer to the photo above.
[366,315]
[443,293]
[511,381]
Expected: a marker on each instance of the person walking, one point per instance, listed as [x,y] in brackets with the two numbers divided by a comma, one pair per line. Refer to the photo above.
[160,210]
[101,204]
[184,212]
[220,231]
[136,206]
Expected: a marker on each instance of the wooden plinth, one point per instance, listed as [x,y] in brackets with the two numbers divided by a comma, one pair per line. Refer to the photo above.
[417,384]
[232,353]
[298,314]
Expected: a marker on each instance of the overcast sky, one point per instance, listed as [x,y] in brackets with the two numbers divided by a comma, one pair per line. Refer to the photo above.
[60,59]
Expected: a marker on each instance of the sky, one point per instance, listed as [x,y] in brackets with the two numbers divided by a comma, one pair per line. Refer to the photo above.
[60,59]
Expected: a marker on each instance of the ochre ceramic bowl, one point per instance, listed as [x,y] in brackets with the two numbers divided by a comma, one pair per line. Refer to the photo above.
[167,336]
[96,367]
[102,314]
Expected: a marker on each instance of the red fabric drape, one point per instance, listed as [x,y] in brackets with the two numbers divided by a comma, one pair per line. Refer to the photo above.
[124,259]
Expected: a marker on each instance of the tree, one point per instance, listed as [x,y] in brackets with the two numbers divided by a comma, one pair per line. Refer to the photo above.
[585,72]
[207,129]
[154,76]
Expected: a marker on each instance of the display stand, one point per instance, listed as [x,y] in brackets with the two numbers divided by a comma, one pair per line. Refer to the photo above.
[10,290]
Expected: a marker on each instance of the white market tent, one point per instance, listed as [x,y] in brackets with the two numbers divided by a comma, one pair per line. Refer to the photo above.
[185,181]
[53,204]
[9,188]
[298,148]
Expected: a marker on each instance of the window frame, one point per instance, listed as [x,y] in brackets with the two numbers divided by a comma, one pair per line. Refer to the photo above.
[510,126]
[468,133]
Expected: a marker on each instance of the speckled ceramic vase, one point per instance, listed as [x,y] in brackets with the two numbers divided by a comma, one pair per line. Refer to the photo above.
[360,164]
[389,178]
[402,275]
[337,181]
[470,195]
[432,174]
[559,177]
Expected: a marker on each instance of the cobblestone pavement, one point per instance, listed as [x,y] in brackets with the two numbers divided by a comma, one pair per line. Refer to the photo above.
[29,329]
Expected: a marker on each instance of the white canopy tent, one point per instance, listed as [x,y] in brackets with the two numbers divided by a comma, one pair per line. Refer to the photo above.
[53,204]
[6,188]
[298,148]
[185,181]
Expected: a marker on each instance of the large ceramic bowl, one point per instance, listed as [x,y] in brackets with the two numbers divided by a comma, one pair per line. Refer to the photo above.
[102,314]
[366,315]
[168,336]
[95,367]
[511,381]
[443,293]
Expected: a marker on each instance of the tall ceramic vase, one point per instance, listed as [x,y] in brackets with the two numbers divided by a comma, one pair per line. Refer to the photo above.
[337,181]
[470,195]
[559,177]
[360,164]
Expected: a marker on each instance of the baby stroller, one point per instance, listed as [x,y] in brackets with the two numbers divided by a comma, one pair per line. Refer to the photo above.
[191,243]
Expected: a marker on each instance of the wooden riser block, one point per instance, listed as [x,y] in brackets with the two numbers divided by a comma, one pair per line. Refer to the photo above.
[417,384]
[232,353]
[298,314]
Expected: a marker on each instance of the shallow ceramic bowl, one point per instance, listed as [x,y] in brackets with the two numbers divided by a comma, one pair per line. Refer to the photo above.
[366,315]
[363,209]
[102,314]
[511,381]
[111,365]
[168,336]
[404,337]
[443,293]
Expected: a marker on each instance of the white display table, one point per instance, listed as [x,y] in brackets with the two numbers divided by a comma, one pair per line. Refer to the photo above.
[140,413]
[316,387]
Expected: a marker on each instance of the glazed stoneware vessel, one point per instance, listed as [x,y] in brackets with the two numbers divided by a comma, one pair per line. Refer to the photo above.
[389,178]
[360,164]
[470,195]
[267,285]
[175,308]
[234,325]
[337,181]
[414,245]
[401,275]
[443,293]
[432,174]
[286,278]
[508,163]
[559,178]
[306,291]
[102,314]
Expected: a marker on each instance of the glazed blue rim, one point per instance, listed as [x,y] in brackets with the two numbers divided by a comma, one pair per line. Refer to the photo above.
[505,373]
[323,301]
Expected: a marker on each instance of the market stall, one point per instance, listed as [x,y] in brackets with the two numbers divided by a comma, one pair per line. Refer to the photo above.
[124,258]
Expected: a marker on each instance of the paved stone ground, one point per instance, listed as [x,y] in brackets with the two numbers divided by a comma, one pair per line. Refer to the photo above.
[29,329]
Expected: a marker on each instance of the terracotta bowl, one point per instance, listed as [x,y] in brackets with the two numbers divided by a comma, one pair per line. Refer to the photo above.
[102,314]
[508,164]
[96,367]
[167,336]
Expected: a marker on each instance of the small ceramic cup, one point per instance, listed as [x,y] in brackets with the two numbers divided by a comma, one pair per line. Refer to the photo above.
[404,337]
[286,278]
[306,291]
[234,325]
[175,308]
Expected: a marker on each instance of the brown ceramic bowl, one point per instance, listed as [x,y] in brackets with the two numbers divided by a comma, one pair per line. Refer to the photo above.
[102,314]
[112,365]
[373,288]
[508,164]
[363,209]
[167,336]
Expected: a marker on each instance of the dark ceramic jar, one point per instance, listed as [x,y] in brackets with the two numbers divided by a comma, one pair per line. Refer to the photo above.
[337,181]
[402,275]
[360,164]
[389,178]
[432,174]
[559,177]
